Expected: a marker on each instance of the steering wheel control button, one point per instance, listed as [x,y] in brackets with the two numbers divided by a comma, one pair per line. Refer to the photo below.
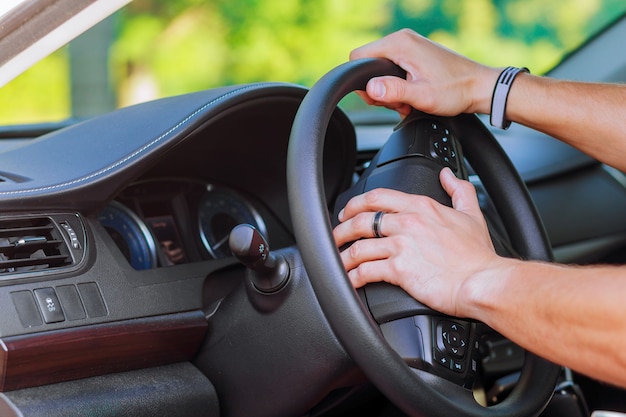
[454,343]
[449,363]
[452,338]
[49,305]
[442,359]
[457,366]
[443,146]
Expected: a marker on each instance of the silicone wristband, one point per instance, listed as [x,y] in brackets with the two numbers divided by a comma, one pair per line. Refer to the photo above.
[500,95]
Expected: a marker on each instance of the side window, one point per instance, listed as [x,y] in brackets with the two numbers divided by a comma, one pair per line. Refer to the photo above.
[155,48]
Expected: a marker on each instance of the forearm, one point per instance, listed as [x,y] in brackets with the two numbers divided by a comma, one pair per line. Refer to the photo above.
[590,117]
[573,316]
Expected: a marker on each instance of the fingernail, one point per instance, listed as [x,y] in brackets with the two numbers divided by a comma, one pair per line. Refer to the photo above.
[340,215]
[448,172]
[378,89]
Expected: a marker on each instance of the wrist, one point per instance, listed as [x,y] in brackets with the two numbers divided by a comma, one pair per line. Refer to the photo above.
[480,293]
[482,89]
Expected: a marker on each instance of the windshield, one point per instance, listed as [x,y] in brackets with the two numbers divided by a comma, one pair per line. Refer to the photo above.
[156,48]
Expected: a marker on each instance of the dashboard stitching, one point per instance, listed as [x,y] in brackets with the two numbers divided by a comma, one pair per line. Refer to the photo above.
[140,150]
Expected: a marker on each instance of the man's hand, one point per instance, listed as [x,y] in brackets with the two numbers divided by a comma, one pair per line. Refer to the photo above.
[439,81]
[428,249]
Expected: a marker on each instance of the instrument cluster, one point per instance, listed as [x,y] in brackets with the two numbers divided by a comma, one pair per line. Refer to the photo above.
[174,221]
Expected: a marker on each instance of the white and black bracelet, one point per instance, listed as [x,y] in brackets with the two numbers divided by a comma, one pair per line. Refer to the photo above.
[500,95]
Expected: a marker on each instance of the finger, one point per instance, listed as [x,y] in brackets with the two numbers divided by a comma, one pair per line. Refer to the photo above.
[368,272]
[354,228]
[358,227]
[393,45]
[462,193]
[366,98]
[402,108]
[381,199]
[365,250]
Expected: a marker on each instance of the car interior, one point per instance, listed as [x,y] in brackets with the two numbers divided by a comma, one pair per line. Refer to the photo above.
[174,257]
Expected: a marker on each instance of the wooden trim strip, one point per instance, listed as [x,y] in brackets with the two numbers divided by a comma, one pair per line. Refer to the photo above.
[63,355]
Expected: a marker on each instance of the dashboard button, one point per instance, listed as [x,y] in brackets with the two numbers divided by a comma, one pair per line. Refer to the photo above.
[72,304]
[49,305]
[92,299]
[26,308]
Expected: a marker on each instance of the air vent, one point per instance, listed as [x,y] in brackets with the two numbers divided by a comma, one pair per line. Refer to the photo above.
[31,244]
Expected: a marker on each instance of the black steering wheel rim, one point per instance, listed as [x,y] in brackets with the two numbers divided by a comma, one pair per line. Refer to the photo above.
[415,392]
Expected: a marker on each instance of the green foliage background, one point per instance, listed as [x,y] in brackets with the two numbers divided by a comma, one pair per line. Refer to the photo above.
[167,47]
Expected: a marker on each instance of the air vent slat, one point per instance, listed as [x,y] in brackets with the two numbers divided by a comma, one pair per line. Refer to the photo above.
[12,249]
[26,231]
[55,260]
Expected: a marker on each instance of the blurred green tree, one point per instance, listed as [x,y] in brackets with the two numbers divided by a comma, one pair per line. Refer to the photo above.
[207,44]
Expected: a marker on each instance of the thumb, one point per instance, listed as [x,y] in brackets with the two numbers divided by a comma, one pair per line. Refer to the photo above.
[462,193]
[387,89]
[390,92]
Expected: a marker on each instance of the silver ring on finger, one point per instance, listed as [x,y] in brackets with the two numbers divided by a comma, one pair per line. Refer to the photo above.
[377,224]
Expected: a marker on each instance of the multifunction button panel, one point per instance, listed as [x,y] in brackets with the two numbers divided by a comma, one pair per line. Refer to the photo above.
[451,345]
[454,350]
[427,138]
[443,144]
[58,304]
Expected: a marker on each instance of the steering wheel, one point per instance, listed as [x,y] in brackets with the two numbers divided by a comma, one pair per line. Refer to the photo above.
[425,389]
